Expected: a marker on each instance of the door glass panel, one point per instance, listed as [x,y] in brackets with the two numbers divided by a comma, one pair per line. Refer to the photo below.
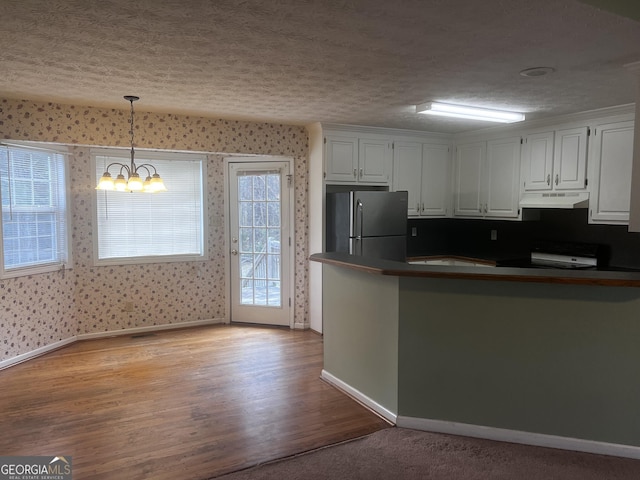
[260,237]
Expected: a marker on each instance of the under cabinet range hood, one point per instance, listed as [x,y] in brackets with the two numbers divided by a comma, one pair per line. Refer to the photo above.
[555,200]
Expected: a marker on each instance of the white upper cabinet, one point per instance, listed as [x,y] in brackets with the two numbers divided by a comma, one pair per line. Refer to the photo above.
[353,159]
[502,192]
[538,161]
[341,158]
[469,161]
[570,159]
[556,160]
[375,160]
[422,169]
[435,191]
[407,173]
[487,179]
[611,158]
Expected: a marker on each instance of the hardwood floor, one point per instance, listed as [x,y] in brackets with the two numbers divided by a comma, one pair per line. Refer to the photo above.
[183,404]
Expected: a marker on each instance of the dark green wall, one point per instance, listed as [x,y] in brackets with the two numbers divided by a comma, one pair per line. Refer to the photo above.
[554,359]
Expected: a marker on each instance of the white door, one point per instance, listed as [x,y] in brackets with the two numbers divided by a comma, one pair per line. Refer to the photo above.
[570,159]
[407,170]
[435,180]
[469,163]
[538,162]
[375,159]
[502,174]
[260,242]
[341,158]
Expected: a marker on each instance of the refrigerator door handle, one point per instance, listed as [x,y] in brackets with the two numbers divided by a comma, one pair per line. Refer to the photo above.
[360,215]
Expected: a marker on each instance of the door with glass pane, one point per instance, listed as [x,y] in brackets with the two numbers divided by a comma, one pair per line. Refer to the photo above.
[259,243]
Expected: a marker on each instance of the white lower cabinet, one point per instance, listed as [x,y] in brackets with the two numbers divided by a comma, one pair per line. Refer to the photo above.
[611,158]
[487,179]
[422,169]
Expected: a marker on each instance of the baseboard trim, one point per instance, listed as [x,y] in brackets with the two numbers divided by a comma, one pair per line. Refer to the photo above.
[516,436]
[150,328]
[385,413]
[23,357]
[10,362]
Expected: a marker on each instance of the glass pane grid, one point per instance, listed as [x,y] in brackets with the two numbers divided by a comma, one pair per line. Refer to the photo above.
[259,222]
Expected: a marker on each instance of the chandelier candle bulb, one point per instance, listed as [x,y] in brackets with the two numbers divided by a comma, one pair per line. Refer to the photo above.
[133,183]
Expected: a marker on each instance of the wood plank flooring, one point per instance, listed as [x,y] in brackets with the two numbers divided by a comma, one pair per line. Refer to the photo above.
[185,404]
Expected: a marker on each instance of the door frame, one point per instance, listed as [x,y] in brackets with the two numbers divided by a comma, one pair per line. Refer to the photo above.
[227,229]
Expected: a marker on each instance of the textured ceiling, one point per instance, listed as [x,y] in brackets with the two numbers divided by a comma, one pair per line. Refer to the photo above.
[365,62]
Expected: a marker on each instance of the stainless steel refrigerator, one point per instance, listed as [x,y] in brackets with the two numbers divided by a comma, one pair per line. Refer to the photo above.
[367,223]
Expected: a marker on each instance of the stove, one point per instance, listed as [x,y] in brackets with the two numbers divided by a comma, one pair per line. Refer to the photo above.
[564,255]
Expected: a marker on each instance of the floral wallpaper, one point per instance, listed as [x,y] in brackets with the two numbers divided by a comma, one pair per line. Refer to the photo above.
[40,310]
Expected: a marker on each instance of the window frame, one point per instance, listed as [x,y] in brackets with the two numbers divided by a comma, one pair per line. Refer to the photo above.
[62,263]
[124,156]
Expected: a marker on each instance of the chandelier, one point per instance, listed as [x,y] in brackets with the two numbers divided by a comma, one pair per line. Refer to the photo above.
[133,183]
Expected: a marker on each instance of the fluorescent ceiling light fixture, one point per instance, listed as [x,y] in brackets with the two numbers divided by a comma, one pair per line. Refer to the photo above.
[472,113]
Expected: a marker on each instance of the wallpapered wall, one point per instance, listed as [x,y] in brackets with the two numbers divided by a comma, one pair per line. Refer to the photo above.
[40,310]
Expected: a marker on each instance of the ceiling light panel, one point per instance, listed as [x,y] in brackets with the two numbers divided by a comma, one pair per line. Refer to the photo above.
[467,112]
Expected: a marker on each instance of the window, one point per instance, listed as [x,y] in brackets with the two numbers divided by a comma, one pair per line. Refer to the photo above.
[151,227]
[34,217]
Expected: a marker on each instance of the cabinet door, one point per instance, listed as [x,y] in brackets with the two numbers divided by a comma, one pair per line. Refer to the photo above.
[341,158]
[538,161]
[612,160]
[375,160]
[407,171]
[502,178]
[468,175]
[435,180]
[570,159]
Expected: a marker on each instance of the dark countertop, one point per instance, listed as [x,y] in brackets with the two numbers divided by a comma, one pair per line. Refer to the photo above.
[509,274]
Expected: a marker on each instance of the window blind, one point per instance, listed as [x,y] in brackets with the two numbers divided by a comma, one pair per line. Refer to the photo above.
[34,225]
[147,226]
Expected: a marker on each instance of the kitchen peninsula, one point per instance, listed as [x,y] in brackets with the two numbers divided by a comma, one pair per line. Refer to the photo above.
[543,357]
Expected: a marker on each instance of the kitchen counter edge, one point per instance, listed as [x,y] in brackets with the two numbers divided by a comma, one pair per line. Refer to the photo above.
[508,274]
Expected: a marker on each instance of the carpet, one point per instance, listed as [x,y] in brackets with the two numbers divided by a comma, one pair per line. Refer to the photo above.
[404,454]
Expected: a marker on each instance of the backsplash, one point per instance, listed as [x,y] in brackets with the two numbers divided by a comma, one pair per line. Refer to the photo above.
[41,310]
[473,237]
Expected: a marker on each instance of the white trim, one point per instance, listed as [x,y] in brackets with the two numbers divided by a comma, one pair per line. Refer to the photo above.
[118,152]
[10,362]
[516,436]
[290,161]
[23,357]
[149,328]
[359,396]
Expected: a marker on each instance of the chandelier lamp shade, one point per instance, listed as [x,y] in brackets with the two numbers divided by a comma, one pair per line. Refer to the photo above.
[133,183]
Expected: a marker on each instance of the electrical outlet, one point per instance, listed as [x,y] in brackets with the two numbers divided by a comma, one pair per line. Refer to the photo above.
[494,234]
[414,231]
[127,307]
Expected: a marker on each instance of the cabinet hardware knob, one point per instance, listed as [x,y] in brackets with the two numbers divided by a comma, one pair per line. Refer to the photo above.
[557,179]
[548,179]
[355,174]
[234,252]
[360,173]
